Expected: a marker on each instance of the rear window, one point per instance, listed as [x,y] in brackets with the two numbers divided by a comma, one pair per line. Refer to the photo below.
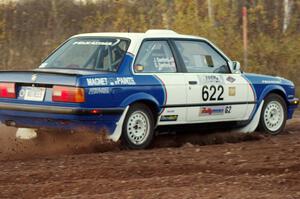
[103,54]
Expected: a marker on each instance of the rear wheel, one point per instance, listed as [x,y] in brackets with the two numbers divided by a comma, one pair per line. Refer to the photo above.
[273,115]
[138,127]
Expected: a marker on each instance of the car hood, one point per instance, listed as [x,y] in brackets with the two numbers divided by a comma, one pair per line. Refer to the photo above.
[267,79]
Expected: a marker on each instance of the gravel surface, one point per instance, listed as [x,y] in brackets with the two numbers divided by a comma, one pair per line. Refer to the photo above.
[217,165]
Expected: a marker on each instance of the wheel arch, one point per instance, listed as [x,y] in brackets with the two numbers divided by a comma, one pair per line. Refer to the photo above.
[255,118]
[143,98]
[277,89]
[263,125]
[280,93]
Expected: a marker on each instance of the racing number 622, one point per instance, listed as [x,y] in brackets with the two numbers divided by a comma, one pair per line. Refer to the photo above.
[212,93]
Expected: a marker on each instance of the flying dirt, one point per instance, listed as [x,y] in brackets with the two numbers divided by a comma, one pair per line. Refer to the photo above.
[189,165]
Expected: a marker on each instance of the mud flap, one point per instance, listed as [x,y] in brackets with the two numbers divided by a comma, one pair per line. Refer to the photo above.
[26,134]
[251,127]
[119,125]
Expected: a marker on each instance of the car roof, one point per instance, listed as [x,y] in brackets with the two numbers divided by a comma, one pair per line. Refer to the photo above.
[136,38]
[153,33]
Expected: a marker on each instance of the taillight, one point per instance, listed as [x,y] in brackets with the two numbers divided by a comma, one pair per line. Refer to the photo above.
[7,90]
[68,94]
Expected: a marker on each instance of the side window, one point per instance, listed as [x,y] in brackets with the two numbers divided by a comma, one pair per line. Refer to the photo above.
[199,57]
[155,57]
[113,55]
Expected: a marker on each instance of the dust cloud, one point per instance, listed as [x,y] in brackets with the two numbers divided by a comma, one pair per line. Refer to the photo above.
[51,144]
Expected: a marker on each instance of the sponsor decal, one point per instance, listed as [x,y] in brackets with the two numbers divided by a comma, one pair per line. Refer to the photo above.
[230,79]
[97,81]
[271,81]
[110,81]
[99,90]
[211,79]
[228,109]
[122,81]
[232,91]
[171,111]
[164,62]
[168,118]
[93,43]
[213,110]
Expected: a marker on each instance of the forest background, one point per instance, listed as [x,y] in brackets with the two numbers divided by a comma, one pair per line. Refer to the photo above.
[31,29]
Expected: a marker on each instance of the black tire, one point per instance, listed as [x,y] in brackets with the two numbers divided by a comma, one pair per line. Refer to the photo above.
[138,121]
[268,125]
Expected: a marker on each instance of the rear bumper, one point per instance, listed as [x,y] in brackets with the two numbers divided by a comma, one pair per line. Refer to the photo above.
[61,125]
[59,110]
[57,117]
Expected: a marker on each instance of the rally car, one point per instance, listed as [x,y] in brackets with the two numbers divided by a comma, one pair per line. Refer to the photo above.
[130,84]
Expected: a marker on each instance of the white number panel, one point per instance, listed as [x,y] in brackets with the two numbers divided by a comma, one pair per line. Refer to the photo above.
[218,97]
[201,98]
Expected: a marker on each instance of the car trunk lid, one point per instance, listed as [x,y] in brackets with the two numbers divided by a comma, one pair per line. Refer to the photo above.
[36,86]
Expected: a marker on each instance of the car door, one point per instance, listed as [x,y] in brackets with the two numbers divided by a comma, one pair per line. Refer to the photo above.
[213,92]
[156,58]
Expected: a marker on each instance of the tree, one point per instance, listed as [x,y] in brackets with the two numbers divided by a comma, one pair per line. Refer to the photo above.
[287,4]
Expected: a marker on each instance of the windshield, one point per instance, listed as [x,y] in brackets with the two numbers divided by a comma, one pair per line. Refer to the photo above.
[103,54]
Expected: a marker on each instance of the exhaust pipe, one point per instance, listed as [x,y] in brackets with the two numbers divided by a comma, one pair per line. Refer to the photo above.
[22,133]
[10,123]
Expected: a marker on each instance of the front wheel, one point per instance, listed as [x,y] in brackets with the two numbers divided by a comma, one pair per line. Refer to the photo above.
[138,127]
[273,115]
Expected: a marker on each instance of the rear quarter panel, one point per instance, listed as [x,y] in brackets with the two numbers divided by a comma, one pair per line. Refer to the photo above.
[116,90]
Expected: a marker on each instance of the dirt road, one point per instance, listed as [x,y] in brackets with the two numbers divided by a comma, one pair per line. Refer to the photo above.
[222,165]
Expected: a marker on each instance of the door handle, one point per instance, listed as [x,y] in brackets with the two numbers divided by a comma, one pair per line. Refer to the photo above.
[193,82]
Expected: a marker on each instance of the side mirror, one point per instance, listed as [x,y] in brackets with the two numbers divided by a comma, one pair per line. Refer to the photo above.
[236,67]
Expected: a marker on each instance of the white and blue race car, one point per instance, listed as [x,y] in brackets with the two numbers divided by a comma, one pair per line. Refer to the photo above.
[130,84]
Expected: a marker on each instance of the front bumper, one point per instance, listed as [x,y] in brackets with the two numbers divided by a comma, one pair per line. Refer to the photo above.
[292,106]
[59,110]
[294,102]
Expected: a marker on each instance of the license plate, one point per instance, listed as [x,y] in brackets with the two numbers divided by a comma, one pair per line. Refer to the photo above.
[35,94]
